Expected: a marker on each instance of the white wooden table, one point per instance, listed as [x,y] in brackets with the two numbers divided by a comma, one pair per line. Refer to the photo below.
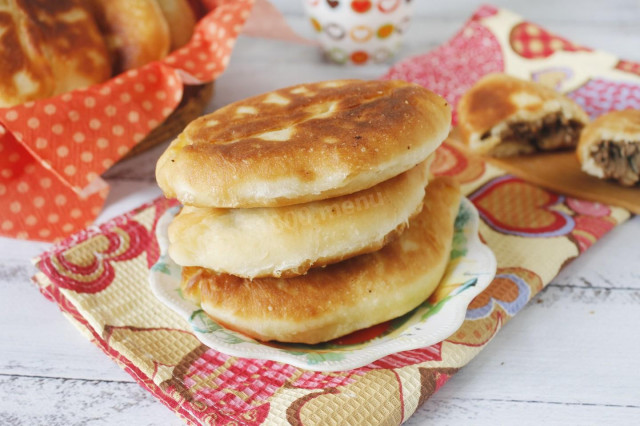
[570,357]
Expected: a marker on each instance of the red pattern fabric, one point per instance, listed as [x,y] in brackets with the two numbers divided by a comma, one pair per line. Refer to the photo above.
[532,42]
[208,387]
[454,67]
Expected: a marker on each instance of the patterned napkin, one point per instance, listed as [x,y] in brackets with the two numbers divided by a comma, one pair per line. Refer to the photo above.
[52,151]
[99,278]
[497,40]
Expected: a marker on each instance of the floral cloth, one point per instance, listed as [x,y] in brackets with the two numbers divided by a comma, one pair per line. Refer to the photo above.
[98,276]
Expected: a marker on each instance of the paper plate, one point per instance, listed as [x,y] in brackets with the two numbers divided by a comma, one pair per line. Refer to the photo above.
[471,269]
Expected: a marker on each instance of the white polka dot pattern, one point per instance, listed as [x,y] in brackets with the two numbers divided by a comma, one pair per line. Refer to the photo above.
[102,123]
[36,200]
[207,55]
[53,148]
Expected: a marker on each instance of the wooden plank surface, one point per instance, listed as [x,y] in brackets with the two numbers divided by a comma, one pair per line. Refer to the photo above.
[560,172]
[570,357]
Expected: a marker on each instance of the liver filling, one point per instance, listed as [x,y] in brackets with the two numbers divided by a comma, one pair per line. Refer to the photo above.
[551,132]
[619,160]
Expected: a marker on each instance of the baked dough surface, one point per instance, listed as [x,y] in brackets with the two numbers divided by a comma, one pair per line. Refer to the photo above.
[303,143]
[48,48]
[136,31]
[503,115]
[287,241]
[338,299]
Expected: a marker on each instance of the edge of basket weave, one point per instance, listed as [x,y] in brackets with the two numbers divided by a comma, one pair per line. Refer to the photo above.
[193,102]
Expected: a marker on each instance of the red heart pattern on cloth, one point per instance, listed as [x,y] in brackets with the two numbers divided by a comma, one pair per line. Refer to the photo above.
[590,229]
[515,207]
[87,267]
[450,161]
[244,400]
[533,42]
[592,222]
[509,292]
[243,395]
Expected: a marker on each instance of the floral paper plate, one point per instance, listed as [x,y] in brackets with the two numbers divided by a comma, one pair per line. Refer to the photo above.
[470,271]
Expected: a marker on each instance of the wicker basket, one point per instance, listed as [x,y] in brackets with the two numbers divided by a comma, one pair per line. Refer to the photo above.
[193,102]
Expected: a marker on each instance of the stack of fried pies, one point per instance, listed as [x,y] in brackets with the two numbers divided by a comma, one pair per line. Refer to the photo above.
[309,212]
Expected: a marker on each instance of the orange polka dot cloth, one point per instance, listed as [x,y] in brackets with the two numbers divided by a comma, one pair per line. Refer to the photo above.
[99,276]
[52,151]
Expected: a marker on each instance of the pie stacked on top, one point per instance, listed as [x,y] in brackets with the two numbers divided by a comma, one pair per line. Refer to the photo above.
[308,211]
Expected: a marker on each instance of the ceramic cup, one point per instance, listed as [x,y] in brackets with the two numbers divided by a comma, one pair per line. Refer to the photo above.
[359,31]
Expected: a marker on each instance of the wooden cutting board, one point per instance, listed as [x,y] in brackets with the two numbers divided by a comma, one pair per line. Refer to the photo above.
[560,172]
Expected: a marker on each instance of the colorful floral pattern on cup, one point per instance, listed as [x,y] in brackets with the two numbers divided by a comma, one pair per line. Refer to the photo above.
[359,31]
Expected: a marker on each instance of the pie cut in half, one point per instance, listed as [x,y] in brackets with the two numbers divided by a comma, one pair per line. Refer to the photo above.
[609,147]
[504,116]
